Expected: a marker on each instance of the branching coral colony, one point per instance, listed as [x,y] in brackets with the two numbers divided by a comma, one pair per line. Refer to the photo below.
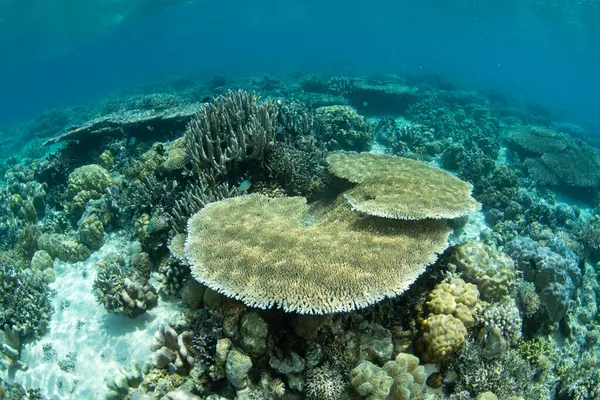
[309,270]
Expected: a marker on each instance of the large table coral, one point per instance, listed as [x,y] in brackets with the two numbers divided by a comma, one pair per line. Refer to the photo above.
[397,187]
[267,251]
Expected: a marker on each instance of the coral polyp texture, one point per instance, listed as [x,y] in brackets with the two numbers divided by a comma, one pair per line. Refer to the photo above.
[267,251]
[400,188]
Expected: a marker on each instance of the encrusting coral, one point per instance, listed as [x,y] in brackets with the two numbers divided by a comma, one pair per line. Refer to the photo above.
[401,188]
[264,252]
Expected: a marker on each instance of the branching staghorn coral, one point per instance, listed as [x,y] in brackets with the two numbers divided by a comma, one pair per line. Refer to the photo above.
[297,171]
[233,128]
[296,119]
[25,305]
[266,251]
[151,193]
[197,195]
[401,188]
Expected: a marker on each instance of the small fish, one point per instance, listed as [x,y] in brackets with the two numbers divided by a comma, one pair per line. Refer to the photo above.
[205,100]
[149,228]
[419,154]
[101,266]
[244,186]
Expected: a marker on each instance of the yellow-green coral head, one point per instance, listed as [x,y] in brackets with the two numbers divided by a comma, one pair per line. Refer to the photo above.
[262,251]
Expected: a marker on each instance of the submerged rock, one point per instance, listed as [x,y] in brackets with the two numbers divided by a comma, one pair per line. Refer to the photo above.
[131,123]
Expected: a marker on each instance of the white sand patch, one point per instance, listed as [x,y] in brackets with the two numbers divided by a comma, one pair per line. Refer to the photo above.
[103,342]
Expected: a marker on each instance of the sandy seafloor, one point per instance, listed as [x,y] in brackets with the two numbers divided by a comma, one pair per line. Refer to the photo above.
[103,342]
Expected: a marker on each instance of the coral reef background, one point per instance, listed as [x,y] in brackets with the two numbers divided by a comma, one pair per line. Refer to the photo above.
[300,237]
[206,200]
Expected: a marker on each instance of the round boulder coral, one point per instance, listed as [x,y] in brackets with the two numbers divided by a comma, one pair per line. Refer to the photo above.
[491,270]
[455,298]
[450,306]
[342,128]
[91,177]
[441,335]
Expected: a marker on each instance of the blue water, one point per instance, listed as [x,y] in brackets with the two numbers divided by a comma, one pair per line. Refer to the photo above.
[67,54]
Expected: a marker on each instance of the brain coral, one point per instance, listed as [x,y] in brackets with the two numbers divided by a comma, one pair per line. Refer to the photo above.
[401,188]
[491,270]
[269,251]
